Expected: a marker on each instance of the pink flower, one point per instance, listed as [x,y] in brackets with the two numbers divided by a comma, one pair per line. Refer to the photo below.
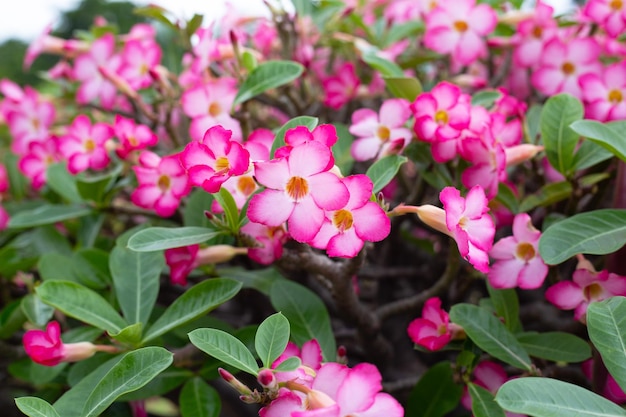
[214,159]
[563,63]
[586,286]
[488,164]
[84,145]
[605,93]
[380,135]
[433,330]
[162,183]
[608,14]
[490,376]
[456,27]
[132,137]
[325,134]
[311,358]
[270,241]
[46,347]
[470,225]
[181,262]
[518,263]
[344,231]
[532,34]
[37,159]
[4,179]
[4,218]
[138,58]
[299,189]
[339,89]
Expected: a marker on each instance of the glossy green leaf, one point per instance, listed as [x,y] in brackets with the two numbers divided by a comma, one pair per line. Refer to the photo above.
[163,383]
[483,402]
[62,182]
[506,304]
[132,372]
[306,313]
[199,399]
[289,364]
[486,98]
[136,281]
[555,346]
[231,212]
[547,397]
[225,347]
[404,87]
[36,310]
[279,140]
[435,394]
[266,76]
[82,304]
[384,66]
[271,338]
[198,202]
[161,238]
[606,323]
[157,13]
[130,335]
[195,302]
[47,214]
[382,171]
[35,407]
[596,232]
[606,135]
[12,318]
[507,198]
[559,139]
[489,334]
[90,267]
[95,187]
[589,154]
[341,149]
[548,194]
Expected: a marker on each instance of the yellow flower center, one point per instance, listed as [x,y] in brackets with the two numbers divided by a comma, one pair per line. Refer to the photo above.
[441,117]
[297,188]
[246,185]
[525,251]
[383,133]
[615,96]
[133,141]
[461,25]
[568,68]
[164,183]
[90,145]
[593,291]
[221,164]
[537,32]
[616,5]
[342,220]
[215,109]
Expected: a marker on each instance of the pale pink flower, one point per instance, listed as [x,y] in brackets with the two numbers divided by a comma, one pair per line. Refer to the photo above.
[446,149]
[270,240]
[214,159]
[488,161]
[532,34]
[34,163]
[162,183]
[87,70]
[605,93]
[132,136]
[380,134]
[139,57]
[325,134]
[457,27]
[311,358]
[518,262]
[562,63]
[344,231]
[610,15]
[52,45]
[433,330]
[84,145]
[299,189]
[490,376]
[210,104]
[342,87]
[586,286]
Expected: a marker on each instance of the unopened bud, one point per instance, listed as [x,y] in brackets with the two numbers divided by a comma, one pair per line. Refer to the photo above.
[234,382]
[517,154]
[217,254]
[267,379]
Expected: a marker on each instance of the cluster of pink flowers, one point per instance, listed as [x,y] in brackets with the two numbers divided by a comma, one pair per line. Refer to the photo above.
[433,330]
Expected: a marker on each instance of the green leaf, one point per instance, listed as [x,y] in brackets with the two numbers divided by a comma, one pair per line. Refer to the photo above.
[382,171]
[306,313]
[193,24]
[596,232]
[341,149]
[589,154]
[507,198]
[199,399]
[382,65]
[47,214]
[606,323]
[604,134]
[36,311]
[132,372]
[555,346]
[485,98]
[136,281]
[435,394]
[163,383]
[231,212]
[532,122]
[91,268]
[289,364]
[161,238]
[130,334]
[547,397]
[271,338]
[95,187]
[198,202]
[506,305]
[157,13]
[12,318]
[560,140]
[279,140]
[81,303]
[225,347]
[548,194]
[35,407]
[404,87]
[62,182]
[483,402]
[267,75]
[195,302]
[489,334]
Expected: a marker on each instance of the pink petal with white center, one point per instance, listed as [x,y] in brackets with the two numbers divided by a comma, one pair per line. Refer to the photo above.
[523,229]
[365,148]
[615,284]
[78,163]
[483,175]
[195,154]
[583,50]
[358,390]
[504,248]
[527,53]
[454,206]
[330,411]
[270,207]
[326,134]
[213,183]
[305,221]
[330,378]
[384,405]
[344,245]
[195,102]
[478,257]
[99,159]
[505,273]
[326,232]
[424,105]
[442,39]
[200,125]
[145,196]
[308,159]
[432,311]
[283,406]
[533,274]
[200,173]
[238,159]
[426,128]
[366,126]
[371,223]
[482,19]
[166,205]
[475,203]
[394,112]
[360,187]
[311,354]
[566,295]
[548,80]
[272,174]
[481,232]
[469,48]
[615,75]
[444,151]
[328,192]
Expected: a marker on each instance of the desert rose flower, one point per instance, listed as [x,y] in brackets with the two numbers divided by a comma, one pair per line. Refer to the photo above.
[490,376]
[34,163]
[433,330]
[138,58]
[609,15]
[183,260]
[518,262]
[605,93]
[269,242]
[532,34]
[311,358]
[84,145]
[47,348]
[339,89]
[132,136]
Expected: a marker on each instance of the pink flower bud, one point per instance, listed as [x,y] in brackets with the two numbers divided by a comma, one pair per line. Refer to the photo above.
[46,347]
[235,383]
[267,379]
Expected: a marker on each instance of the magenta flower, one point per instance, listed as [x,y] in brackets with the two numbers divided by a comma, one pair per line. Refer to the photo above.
[586,287]
[132,136]
[488,164]
[214,159]
[162,182]
[299,189]
[381,134]
[139,57]
[311,358]
[270,241]
[518,263]
[4,179]
[84,145]
[339,89]
[532,34]
[611,390]
[433,330]
[605,93]
[608,14]
[344,231]
[37,159]
[325,134]
[562,63]
[490,376]
[181,262]
[457,27]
